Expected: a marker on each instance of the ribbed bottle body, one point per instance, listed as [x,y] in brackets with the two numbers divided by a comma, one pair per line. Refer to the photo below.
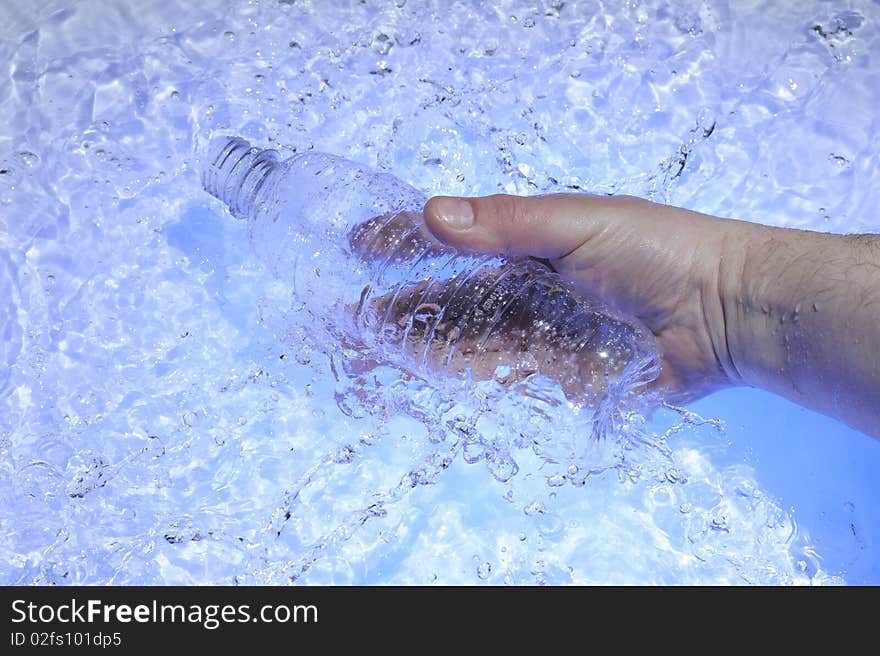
[353,244]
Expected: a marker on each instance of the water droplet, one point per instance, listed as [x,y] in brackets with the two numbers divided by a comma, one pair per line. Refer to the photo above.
[484,569]
[720,524]
[502,467]
[535,508]
[154,447]
[472,452]
[383,44]
[503,374]
[550,525]
[29,159]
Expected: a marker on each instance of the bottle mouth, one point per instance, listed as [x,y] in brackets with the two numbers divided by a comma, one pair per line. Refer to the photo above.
[235,171]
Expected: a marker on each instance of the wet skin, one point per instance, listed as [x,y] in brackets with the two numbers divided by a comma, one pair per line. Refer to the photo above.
[730,302]
[469,325]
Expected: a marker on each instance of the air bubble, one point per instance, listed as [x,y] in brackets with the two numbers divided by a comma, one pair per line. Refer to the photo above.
[535,508]
[29,159]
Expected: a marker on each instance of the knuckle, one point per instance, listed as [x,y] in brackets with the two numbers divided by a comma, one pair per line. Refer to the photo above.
[509,218]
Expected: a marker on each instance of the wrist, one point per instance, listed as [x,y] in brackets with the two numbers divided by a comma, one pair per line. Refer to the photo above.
[721,295]
[755,300]
[772,294]
[800,317]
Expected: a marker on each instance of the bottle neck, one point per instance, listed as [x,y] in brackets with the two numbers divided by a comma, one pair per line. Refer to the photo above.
[235,172]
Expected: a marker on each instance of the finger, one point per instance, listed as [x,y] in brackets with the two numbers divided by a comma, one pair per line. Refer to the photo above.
[539,226]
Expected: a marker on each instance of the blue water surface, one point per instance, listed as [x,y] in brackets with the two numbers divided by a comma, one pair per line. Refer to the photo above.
[167,417]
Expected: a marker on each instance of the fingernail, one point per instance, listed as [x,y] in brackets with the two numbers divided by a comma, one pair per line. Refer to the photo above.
[456,213]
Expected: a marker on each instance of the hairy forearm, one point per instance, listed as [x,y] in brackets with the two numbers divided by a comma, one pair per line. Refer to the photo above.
[802,317]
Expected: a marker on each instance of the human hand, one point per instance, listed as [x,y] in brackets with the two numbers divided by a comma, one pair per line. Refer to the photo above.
[661,264]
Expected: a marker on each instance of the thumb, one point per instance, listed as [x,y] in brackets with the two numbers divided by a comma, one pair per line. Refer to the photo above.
[539,226]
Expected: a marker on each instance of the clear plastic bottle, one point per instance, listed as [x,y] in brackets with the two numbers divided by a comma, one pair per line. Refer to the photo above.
[352,243]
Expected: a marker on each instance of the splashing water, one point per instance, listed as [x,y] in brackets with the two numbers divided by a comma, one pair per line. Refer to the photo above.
[166,416]
[353,246]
